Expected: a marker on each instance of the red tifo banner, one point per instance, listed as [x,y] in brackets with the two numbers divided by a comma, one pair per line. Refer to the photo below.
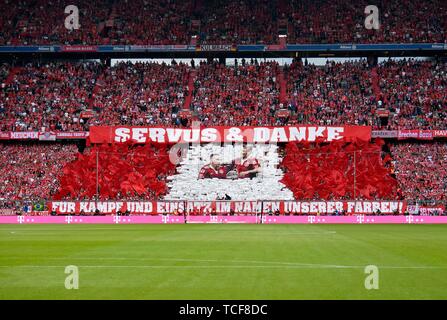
[227,134]
[227,207]
[402,134]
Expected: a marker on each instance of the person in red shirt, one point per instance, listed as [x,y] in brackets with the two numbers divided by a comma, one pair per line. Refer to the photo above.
[247,167]
[213,170]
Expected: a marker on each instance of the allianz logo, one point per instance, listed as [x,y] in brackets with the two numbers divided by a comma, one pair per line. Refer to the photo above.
[439,46]
[45,49]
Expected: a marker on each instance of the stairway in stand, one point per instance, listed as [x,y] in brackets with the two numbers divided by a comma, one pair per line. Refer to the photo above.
[11,74]
[375,84]
[98,84]
[283,6]
[283,87]
[109,23]
[188,99]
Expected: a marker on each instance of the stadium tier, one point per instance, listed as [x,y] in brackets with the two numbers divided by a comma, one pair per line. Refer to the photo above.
[67,96]
[162,22]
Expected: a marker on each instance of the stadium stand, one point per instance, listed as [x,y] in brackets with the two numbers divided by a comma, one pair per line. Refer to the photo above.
[141,94]
[415,92]
[421,170]
[29,22]
[55,95]
[241,22]
[244,94]
[330,95]
[337,22]
[32,171]
[50,95]
[146,22]
[216,22]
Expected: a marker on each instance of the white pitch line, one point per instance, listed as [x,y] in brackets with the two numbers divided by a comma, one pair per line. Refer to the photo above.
[226,267]
[263,264]
[281,263]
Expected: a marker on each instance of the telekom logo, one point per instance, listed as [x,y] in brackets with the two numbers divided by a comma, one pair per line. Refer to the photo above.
[69,219]
[116,219]
[409,219]
[311,219]
[360,218]
[165,218]
[213,219]
[20,219]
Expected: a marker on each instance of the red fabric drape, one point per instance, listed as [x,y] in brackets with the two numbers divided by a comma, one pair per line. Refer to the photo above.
[326,171]
[123,170]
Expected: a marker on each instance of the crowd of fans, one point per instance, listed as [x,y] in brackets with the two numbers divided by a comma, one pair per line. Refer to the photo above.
[415,92]
[56,96]
[421,170]
[50,95]
[246,94]
[66,96]
[238,22]
[31,171]
[33,22]
[152,22]
[343,21]
[337,93]
[216,22]
[141,94]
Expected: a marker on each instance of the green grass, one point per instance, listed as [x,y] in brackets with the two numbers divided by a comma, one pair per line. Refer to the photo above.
[223,261]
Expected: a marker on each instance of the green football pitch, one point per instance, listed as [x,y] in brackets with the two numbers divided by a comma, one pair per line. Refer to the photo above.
[223,261]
